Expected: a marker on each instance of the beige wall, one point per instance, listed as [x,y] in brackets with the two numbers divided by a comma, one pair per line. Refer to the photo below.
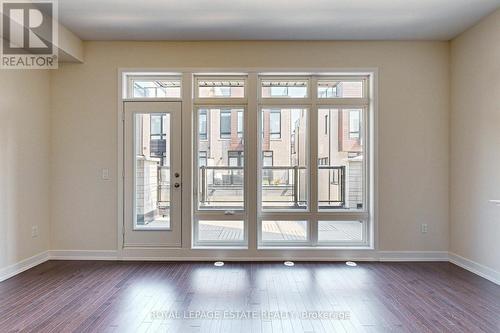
[24,164]
[475,137]
[413,129]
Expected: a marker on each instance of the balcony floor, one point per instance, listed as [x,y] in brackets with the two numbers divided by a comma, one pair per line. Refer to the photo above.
[281,231]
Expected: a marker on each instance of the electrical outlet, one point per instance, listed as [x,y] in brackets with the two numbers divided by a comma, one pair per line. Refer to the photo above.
[34,231]
[423,228]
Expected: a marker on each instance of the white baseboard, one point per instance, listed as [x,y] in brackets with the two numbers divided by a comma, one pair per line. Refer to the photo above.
[144,256]
[383,256]
[83,255]
[476,268]
[413,255]
[23,265]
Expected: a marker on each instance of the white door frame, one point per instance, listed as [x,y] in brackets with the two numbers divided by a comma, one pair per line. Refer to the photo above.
[155,236]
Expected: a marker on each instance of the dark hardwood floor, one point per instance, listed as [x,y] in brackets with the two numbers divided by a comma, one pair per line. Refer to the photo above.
[97,296]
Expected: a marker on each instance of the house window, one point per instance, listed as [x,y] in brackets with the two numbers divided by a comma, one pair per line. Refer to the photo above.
[221,88]
[202,158]
[220,175]
[161,87]
[267,158]
[225,124]
[289,207]
[203,124]
[285,182]
[158,133]
[235,158]
[341,88]
[271,88]
[267,164]
[354,124]
[275,124]
[341,175]
[341,232]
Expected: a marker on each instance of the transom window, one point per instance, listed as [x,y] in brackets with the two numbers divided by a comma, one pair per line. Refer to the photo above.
[220,88]
[284,88]
[349,88]
[154,87]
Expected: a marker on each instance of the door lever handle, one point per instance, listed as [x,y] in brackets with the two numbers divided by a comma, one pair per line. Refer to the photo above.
[177,185]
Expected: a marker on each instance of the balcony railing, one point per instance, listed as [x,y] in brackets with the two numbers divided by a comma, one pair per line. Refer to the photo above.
[163,192]
[282,186]
[332,187]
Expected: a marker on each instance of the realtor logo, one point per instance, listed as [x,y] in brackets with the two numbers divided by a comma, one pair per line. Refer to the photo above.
[29,34]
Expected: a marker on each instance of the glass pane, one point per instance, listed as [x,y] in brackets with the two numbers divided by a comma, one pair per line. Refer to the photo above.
[340,89]
[221,88]
[284,89]
[340,159]
[284,231]
[162,88]
[340,231]
[156,121]
[203,125]
[284,158]
[240,124]
[275,124]
[221,160]
[202,158]
[225,124]
[221,231]
[152,170]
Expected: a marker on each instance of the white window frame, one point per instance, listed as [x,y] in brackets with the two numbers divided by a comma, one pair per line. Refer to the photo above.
[263,211]
[284,99]
[307,243]
[220,100]
[236,214]
[313,214]
[253,216]
[130,78]
[365,79]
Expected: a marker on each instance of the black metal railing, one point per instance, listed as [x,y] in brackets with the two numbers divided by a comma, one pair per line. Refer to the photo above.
[163,193]
[333,195]
[281,186]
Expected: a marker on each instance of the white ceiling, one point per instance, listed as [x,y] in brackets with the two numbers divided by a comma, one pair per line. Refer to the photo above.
[272,19]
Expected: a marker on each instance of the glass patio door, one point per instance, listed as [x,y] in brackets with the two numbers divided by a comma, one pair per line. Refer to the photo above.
[152,174]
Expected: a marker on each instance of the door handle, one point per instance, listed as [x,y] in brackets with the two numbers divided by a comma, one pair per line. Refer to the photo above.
[177,185]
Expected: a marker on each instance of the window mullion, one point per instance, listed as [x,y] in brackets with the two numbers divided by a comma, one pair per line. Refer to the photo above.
[313,164]
[251,172]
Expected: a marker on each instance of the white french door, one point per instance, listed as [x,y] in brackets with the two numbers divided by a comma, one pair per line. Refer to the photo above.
[152,174]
